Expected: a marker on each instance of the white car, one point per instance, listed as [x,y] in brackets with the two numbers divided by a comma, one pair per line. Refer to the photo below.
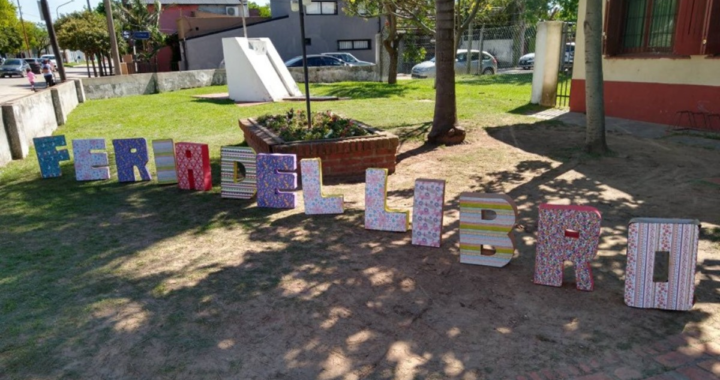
[527,61]
[52,59]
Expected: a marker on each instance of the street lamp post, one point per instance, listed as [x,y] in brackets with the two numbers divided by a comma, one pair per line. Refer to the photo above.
[296,6]
[57,10]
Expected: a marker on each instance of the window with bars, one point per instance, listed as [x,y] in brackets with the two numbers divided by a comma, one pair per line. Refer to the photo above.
[353,44]
[660,27]
[322,8]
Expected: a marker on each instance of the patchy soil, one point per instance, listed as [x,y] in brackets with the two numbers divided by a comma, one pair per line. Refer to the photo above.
[247,293]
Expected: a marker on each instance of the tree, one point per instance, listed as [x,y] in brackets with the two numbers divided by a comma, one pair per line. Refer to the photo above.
[134,16]
[445,129]
[594,96]
[10,40]
[37,36]
[263,9]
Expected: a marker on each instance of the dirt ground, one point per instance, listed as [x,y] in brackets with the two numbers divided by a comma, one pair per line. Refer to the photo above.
[283,295]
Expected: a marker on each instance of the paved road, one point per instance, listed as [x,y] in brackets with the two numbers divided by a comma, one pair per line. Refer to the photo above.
[16,87]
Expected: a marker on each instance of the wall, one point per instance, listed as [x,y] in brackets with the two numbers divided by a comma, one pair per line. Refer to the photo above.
[336,74]
[145,84]
[5,154]
[28,117]
[284,31]
[649,89]
[65,100]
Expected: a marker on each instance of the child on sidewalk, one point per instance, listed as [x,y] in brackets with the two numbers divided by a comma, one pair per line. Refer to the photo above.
[31,79]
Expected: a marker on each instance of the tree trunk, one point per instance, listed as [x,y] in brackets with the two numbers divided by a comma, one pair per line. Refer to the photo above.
[445,129]
[594,96]
[110,64]
[92,59]
[392,44]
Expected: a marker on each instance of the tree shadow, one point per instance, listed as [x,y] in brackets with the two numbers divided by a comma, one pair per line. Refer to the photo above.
[362,90]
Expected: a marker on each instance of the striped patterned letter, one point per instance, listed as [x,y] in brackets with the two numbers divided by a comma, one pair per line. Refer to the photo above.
[315,201]
[377,215]
[193,166]
[164,151]
[566,233]
[427,218]
[90,166]
[238,179]
[650,283]
[486,224]
[49,156]
[131,153]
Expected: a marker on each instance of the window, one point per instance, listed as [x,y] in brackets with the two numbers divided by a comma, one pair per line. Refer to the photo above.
[356,44]
[322,8]
[330,61]
[682,27]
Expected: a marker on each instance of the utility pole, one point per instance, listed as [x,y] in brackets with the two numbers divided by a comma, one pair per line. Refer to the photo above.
[113,37]
[22,22]
[89,9]
[242,13]
[53,38]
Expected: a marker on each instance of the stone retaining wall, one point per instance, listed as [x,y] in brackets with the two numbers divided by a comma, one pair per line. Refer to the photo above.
[331,74]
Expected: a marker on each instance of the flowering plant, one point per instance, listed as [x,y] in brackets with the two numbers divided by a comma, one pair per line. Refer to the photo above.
[293,126]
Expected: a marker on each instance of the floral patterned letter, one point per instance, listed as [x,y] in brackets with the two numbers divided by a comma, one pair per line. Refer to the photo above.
[238,166]
[486,224]
[315,201]
[126,160]
[270,181]
[566,233]
[377,215]
[427,218]
[678,238]
[48,156]
[193,166]
[90,166]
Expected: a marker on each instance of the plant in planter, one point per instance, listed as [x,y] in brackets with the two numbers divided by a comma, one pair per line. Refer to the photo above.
[293,126]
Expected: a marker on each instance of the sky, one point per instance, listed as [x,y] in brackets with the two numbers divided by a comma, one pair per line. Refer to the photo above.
[31,9]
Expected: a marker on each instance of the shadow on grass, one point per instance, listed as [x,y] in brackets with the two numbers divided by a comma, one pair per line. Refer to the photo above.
[362,90]
[303,297]
[509,79]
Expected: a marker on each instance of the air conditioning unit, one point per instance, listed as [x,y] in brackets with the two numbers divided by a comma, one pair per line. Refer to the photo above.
[232,11]
[235,11]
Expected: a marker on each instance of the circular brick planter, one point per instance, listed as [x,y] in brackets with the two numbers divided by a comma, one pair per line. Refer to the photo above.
[348,156]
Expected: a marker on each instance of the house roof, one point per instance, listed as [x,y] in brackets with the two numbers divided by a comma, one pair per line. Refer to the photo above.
[195,2]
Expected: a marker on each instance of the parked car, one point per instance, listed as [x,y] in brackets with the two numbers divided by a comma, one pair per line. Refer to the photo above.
[315,60]
[15,66]
[51,58]
[489,64]
[527,61]
[349,58]
[35,64]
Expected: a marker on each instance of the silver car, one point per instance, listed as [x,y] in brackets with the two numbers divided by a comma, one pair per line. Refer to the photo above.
[14,66]
[489,64]
[349,58]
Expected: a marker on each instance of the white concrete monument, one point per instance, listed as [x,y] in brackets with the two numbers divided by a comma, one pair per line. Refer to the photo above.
[255,71]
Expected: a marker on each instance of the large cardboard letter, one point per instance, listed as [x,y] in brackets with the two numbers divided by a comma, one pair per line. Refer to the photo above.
[238,178]
[49,156]
[193,166]
[377,215]
[486,224]
[427,215]
[661,259]
[270,181]
[164,151]
[90,166]
[131,153]
[567,233]
[315,201]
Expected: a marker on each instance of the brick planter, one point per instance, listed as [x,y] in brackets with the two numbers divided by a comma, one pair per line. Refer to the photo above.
[348,156]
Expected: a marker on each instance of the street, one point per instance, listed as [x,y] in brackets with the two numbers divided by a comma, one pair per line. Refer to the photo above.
[16,87]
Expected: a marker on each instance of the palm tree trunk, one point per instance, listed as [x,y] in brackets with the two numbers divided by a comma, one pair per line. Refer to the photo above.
[444,128]
[594,94]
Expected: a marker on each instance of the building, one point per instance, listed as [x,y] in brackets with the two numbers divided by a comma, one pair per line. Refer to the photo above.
[661,61]
[327,29]
[172,10]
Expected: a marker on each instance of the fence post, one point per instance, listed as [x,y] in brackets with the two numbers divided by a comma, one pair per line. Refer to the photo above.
[468,60]
[482,41]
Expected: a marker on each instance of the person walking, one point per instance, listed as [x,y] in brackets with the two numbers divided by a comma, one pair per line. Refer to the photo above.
[47,71]
[31,78]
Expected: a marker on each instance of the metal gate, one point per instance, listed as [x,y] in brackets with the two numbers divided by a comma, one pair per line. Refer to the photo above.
[567,57]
